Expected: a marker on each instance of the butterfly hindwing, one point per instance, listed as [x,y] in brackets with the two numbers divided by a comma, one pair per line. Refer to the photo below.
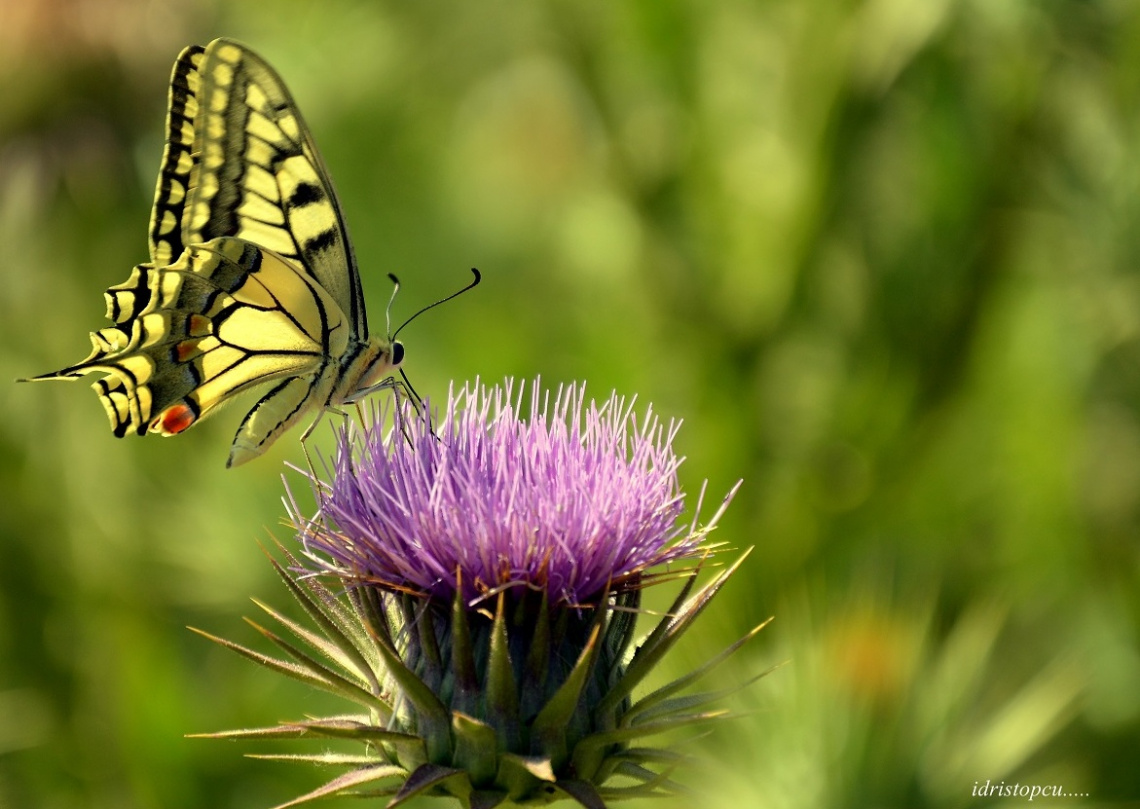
[226,316]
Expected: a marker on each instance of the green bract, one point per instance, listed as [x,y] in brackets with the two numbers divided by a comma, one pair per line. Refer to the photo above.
[525,705]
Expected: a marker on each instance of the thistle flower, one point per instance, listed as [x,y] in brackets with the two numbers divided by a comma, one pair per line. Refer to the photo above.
[487,575]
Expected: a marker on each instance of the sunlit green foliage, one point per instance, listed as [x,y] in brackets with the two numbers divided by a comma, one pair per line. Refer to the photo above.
[882,257]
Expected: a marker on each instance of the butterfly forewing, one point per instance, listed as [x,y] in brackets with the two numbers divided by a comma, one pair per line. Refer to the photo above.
[259,177]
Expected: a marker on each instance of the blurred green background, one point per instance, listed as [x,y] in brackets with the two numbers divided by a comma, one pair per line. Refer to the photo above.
[883,258]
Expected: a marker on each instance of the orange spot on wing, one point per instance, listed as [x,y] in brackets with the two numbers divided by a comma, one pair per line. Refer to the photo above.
[200,325]
[186,349]
[174,420]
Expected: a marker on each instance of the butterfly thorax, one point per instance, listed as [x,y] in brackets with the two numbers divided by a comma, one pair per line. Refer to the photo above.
[365,367]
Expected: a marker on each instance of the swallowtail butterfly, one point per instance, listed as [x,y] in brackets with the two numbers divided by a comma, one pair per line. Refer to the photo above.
[251,277]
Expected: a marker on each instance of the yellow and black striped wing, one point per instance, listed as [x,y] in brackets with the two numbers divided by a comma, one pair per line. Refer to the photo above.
[225,316]
[240,161]
[178,159]
[252,277]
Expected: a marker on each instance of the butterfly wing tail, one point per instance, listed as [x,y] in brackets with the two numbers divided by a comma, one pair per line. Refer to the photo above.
[115,353]
[104,342]
[138,380]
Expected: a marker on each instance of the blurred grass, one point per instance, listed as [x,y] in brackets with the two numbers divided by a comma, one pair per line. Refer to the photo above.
[881,257]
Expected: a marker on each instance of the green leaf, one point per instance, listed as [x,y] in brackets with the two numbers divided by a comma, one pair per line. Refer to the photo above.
[485,799]
[582,792]
[320,759]
[690,702]
[410,745]
[347,658]
[614,794]
[521,776]
[650,779]
[623,623]
[593,748]
[277,731]
[280,666]
[466,697]
[536,667]
[371,611]
[424,623]
[432,720]
[338,624]
[343,728]
[654,755]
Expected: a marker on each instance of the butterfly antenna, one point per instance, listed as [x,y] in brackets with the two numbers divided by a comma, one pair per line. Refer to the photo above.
[406,383]
[391,300]
[470,286]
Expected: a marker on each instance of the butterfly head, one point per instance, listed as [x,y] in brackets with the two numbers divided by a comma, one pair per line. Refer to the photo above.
[372,367]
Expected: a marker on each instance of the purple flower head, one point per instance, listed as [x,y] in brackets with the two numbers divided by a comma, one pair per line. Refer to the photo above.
[570,498]
[483,616]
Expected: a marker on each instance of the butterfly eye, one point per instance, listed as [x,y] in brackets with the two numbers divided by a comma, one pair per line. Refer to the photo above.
[397,354]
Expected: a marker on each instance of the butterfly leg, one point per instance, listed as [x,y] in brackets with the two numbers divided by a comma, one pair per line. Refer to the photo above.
[305,443]
[361,416]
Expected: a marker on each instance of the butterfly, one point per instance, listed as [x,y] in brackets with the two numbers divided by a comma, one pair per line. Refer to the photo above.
[251,277]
